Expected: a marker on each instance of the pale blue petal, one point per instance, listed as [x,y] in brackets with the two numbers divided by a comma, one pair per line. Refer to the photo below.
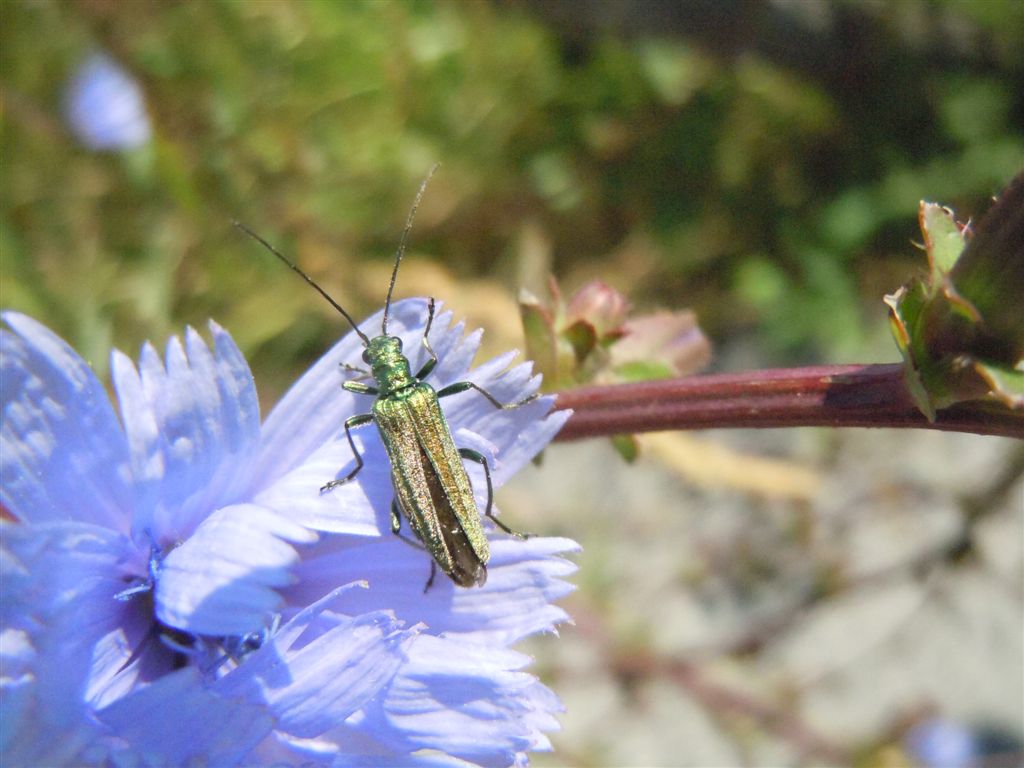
[240,408]
[127,656]
[179,720]
[231,426]
[105,106]
[143,438]
[505,379]
[396,572]
[222,579]
[281,750]
[62,453]
[311,413]
[358,508]
[28,723]
[520,443]
[938,742]
[321,667]
[524,577]
[193,427]
[17,697]
[56,596]
[343,747]
[390,759]
[467,700]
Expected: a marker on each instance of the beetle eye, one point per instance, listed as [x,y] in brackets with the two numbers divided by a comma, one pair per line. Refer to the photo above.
[398,345]
[366,356]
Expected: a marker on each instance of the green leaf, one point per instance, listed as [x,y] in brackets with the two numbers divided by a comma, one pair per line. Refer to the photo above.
[626,446]
[643,370]
[1007,383]
[583,338]
[943,238]
[906,309]
[960,330]
[539,333]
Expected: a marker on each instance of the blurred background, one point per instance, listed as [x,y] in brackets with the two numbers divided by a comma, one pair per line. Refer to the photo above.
[797,597]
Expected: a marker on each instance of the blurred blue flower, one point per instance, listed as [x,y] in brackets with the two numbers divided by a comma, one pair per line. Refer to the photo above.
[941,743]
[105,106]
[165,599]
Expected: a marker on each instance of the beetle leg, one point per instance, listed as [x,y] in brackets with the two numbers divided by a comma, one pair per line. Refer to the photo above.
[359,389]
[360,373]
[396,527]
[479,458]
[396,517]
[432,360]
[433,573]
[352,421]
[462,386]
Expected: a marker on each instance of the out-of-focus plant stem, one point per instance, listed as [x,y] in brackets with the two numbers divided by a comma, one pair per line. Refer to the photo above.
[820,396]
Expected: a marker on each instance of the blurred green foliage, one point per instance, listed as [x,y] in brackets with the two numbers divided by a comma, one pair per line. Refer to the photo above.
[771,184]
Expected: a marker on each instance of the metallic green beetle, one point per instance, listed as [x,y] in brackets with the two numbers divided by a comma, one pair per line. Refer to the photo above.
[432,489]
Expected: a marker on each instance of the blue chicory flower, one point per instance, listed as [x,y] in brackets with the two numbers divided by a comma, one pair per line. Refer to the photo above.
[175,589]
[105,106]
[941,743]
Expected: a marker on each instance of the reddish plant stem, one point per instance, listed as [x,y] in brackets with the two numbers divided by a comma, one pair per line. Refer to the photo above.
[821,396]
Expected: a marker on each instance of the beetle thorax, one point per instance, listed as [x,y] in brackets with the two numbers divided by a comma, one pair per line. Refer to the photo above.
[388,364]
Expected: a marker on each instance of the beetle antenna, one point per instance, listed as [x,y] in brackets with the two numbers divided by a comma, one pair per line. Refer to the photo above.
[304,276]
[401,247]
